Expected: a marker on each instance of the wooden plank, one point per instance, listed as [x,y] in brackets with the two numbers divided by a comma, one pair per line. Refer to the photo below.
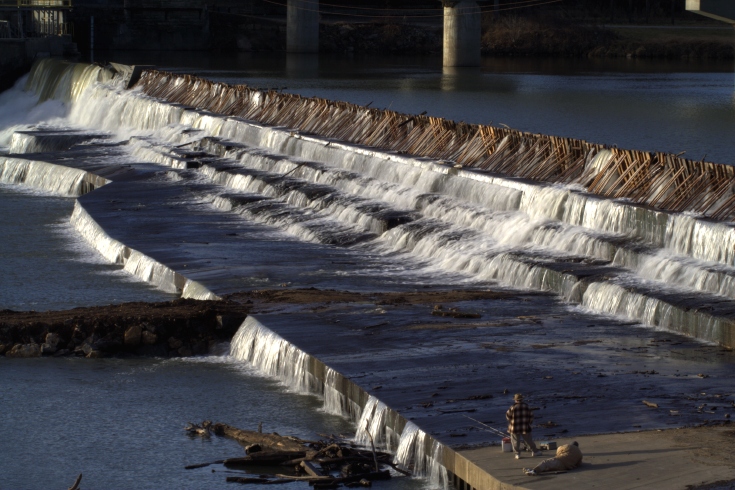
[311,469]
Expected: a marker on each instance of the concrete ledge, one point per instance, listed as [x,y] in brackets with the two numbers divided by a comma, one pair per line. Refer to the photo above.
[672,459]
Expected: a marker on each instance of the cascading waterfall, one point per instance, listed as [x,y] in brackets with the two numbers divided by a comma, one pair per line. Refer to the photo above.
[373,429]
[274,356]
[55,179]
[135,262]
[589,212]
[469,224]
[66,81]
[414,454]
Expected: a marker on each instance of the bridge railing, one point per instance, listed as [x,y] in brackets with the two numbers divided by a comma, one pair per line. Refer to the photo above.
[31,4]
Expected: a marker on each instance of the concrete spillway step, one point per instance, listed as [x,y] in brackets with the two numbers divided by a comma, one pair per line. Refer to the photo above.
[50,140]
[627,251]
[168,223]
[370,215]
[580,279]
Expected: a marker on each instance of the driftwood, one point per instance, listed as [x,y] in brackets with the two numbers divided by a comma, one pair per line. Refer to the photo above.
[76,483]
[202,465]
[311,469]
[264,458]
[314,462]
[266,441]
[262,481]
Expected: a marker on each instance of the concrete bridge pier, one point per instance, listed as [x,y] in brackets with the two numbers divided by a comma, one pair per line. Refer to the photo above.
[462,32]
[302,26]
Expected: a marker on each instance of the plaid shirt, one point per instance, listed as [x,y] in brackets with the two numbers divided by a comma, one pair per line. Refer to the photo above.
[519,418]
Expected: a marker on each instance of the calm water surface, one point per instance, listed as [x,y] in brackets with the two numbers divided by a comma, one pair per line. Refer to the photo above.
[46,266]
[121,422]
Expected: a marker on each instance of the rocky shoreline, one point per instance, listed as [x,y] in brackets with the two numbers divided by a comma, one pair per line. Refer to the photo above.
[178,328]
[527,38]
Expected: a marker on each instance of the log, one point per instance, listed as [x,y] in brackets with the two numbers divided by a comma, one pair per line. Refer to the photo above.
[202,465]
[264,458]
[266,441]
[76,483]
[309,479]
[650,404]
[311,469]
[261,481]
[372,476]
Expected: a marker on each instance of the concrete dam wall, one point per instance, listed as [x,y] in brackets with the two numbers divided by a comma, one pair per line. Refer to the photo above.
[207,189]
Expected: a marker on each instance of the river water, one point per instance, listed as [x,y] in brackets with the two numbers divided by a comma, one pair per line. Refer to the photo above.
[120,422]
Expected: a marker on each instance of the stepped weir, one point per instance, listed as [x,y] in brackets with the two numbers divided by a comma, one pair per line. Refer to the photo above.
[206,189]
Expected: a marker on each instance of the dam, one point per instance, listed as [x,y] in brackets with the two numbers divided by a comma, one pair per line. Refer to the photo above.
[206,189]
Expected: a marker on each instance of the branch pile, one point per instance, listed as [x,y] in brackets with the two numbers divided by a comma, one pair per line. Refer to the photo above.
[273,459]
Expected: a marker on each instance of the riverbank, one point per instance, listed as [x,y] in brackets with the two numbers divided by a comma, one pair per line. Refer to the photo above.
[179,328]
[514,36]
[523,37]
[520,37]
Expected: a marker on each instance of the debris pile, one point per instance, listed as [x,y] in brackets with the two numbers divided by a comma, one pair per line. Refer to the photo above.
[272,458]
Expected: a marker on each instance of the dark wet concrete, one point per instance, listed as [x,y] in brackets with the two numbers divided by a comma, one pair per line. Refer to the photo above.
[584,374]
[173,221]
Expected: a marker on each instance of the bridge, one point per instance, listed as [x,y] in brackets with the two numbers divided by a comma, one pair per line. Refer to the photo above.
[34,18]
[462,30]
[723,10]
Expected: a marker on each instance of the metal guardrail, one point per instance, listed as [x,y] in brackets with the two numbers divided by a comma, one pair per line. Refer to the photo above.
[36,3]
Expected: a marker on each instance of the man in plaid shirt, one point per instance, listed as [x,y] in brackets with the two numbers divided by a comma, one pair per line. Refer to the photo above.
[520,418]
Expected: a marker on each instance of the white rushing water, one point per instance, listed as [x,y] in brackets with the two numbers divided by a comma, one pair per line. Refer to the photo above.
[274,356]
[479,227]
[608,256]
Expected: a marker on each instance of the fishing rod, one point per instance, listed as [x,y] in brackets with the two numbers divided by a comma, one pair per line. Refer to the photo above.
[492,429]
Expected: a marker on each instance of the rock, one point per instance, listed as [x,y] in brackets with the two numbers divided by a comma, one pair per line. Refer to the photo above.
[47,349]
[78,335]
[52,339]
[133,335]
[50,346]
[95,354]
[175,343]
[184,352]
[253,448]
[24,350]
[3,348]
[109,344]
[87,348]
[199,348]
[148,338]
[229,323]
